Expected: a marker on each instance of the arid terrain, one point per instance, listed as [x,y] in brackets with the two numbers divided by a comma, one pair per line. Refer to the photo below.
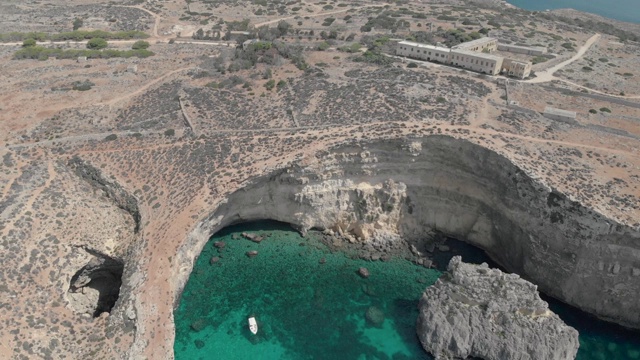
[117,177]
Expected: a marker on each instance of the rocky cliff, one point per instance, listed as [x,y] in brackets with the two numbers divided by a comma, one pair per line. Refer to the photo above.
[402,189]
[480,312]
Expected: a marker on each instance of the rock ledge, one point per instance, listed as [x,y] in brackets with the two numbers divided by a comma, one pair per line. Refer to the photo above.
[481,312]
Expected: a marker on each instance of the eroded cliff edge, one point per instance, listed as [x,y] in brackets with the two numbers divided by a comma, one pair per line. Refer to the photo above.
[404,189]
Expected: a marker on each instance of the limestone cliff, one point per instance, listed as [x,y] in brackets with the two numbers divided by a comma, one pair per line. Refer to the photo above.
[388,190]
[480,312]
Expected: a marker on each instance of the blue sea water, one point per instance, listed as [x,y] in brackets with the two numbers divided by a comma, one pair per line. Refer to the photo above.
[310,303]
[625,10]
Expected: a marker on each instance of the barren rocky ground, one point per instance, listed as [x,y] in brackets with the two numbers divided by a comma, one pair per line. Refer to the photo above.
[121,174]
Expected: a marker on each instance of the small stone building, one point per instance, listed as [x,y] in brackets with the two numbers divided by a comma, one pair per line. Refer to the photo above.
[565,116]
[516,68]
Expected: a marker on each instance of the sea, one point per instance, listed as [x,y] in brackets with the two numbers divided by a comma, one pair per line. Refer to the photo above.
[310,302]
[624,10]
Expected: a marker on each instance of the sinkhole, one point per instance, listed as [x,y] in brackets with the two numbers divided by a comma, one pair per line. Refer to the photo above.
[95,288]
[311,302]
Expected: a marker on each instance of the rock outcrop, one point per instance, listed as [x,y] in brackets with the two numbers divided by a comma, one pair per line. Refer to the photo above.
[480,312]
[388,191]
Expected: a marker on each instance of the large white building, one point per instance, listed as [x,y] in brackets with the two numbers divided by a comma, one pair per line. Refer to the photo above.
[476,61]
[473,55]
[423,51]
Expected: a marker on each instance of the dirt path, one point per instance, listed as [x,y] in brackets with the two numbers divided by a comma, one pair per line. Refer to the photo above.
[156,22]
[141,89]
[632,97]
[547,75]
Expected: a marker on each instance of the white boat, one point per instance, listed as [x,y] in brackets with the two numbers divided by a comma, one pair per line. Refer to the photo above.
[253,325]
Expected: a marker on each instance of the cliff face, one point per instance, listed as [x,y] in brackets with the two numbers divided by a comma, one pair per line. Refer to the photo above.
[392,190]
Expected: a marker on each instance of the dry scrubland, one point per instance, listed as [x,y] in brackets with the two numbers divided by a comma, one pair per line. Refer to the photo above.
[175,133]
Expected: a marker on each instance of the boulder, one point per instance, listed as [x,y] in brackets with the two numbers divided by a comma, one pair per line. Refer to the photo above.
[214,260]
[252,253]
[253,237]
[363,272]
[475,311]
[219,244]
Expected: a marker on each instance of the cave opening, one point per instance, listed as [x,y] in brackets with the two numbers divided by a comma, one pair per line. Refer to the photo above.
[95,288]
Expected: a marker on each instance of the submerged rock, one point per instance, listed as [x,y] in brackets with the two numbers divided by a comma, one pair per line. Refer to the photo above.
[374,316]
[252,253]
[363,272]
[198,325]
[480,312]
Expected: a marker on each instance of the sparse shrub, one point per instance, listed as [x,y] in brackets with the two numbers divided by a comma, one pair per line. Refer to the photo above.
[169,132]
[412,65]
[604,109]
[593,111]
[281,84]
[587,68]
[111,137]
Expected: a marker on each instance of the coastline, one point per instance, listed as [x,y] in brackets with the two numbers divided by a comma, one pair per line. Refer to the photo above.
[586,11]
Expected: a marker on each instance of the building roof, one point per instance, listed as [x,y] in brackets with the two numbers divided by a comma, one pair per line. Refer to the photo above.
[476,42]
[425,46]
[477,54]
[553,111]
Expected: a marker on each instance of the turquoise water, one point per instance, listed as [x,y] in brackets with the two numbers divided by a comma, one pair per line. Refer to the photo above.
[310,303]
[625,10]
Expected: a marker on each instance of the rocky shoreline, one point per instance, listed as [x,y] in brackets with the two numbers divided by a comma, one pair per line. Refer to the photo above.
[475,311]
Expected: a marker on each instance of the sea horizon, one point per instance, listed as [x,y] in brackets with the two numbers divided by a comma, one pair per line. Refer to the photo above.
[623,10]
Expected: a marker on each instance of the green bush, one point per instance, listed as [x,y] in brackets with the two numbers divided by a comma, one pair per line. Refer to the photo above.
[593,111]
[82,85]
[169,132]
[604,109]
[97,44]
[412,65]
[28,43]
[538,60]
[323,46]
[111,137]
[270,84]
[140,45]
[77,24]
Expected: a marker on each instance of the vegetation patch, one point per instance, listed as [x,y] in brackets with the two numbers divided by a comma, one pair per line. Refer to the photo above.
[43,53]
[76,35]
